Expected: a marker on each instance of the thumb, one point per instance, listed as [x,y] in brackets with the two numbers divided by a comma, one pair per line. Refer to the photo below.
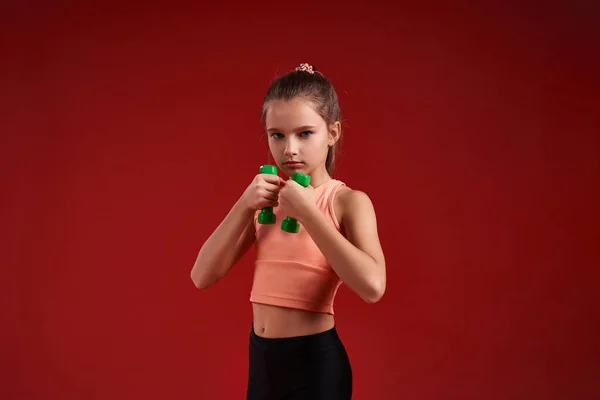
[281,181]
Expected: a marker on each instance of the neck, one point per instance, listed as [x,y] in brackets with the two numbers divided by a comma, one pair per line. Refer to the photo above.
[319,177]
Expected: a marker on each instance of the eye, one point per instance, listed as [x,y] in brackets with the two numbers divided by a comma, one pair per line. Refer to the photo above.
[277,135]
[305,133]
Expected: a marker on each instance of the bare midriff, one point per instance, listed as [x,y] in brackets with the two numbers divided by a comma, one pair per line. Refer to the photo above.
[281,322]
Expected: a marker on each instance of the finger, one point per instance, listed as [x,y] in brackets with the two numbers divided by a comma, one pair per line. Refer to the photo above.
[270,196]
[269,203]
[273,179]
[271,183]
[271,188]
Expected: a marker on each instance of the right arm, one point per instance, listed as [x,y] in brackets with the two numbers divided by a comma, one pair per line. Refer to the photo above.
[216,257]
[235,234]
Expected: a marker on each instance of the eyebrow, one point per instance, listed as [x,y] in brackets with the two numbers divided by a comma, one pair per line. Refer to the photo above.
[299,129]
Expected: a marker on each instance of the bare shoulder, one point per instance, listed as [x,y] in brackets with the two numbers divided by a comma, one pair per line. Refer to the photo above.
[356,214]
[349,203]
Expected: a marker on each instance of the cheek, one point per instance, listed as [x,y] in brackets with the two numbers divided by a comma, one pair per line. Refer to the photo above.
[272,145]
[322,146]
[275,149]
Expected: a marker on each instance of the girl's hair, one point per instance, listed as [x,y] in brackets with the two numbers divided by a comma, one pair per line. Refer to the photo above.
[306,82]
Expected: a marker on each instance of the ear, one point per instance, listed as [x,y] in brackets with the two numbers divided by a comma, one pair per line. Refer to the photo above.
[335,130]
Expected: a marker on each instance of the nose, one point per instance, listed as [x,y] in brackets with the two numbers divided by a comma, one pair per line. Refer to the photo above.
[291,147]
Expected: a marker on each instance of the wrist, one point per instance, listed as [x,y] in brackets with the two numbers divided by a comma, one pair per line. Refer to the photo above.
[243,207]
[311,213]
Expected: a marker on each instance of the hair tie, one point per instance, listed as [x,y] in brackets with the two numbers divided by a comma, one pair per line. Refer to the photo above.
[306,68]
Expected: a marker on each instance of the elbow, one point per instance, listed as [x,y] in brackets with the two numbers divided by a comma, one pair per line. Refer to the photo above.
[197,281]
[201,283]
[376,292]
[200,280]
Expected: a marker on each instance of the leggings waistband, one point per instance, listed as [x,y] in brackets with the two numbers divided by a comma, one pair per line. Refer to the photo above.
[316,340]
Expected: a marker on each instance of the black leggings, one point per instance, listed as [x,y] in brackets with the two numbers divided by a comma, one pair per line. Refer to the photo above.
[303,367]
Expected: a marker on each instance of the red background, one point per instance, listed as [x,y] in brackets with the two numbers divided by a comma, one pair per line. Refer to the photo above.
[128,132]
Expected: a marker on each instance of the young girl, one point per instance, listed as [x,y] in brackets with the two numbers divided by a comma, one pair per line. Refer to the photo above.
[295,351]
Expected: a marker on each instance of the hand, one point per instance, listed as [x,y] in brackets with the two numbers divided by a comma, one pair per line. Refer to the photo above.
[297,201]
[263,191]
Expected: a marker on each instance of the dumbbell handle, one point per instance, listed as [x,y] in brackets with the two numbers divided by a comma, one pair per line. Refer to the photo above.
[290,224]
[266,215]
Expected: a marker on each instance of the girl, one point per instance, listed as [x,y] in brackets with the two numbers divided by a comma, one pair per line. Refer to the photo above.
[295,351]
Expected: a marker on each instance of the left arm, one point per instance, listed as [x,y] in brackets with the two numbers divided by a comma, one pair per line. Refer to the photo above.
[358,259]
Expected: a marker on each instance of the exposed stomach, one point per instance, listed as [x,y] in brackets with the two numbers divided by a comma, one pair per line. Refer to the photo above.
[280,322]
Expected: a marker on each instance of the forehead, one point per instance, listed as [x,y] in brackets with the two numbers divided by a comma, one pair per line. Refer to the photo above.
[288,114]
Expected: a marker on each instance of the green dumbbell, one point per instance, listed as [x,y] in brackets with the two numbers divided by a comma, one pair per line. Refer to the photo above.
[289,224]
[266,215]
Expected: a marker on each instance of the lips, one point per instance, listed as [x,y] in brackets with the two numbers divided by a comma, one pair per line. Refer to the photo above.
[293,164]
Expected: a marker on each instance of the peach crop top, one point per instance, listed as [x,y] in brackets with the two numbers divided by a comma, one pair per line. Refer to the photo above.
[290,270]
